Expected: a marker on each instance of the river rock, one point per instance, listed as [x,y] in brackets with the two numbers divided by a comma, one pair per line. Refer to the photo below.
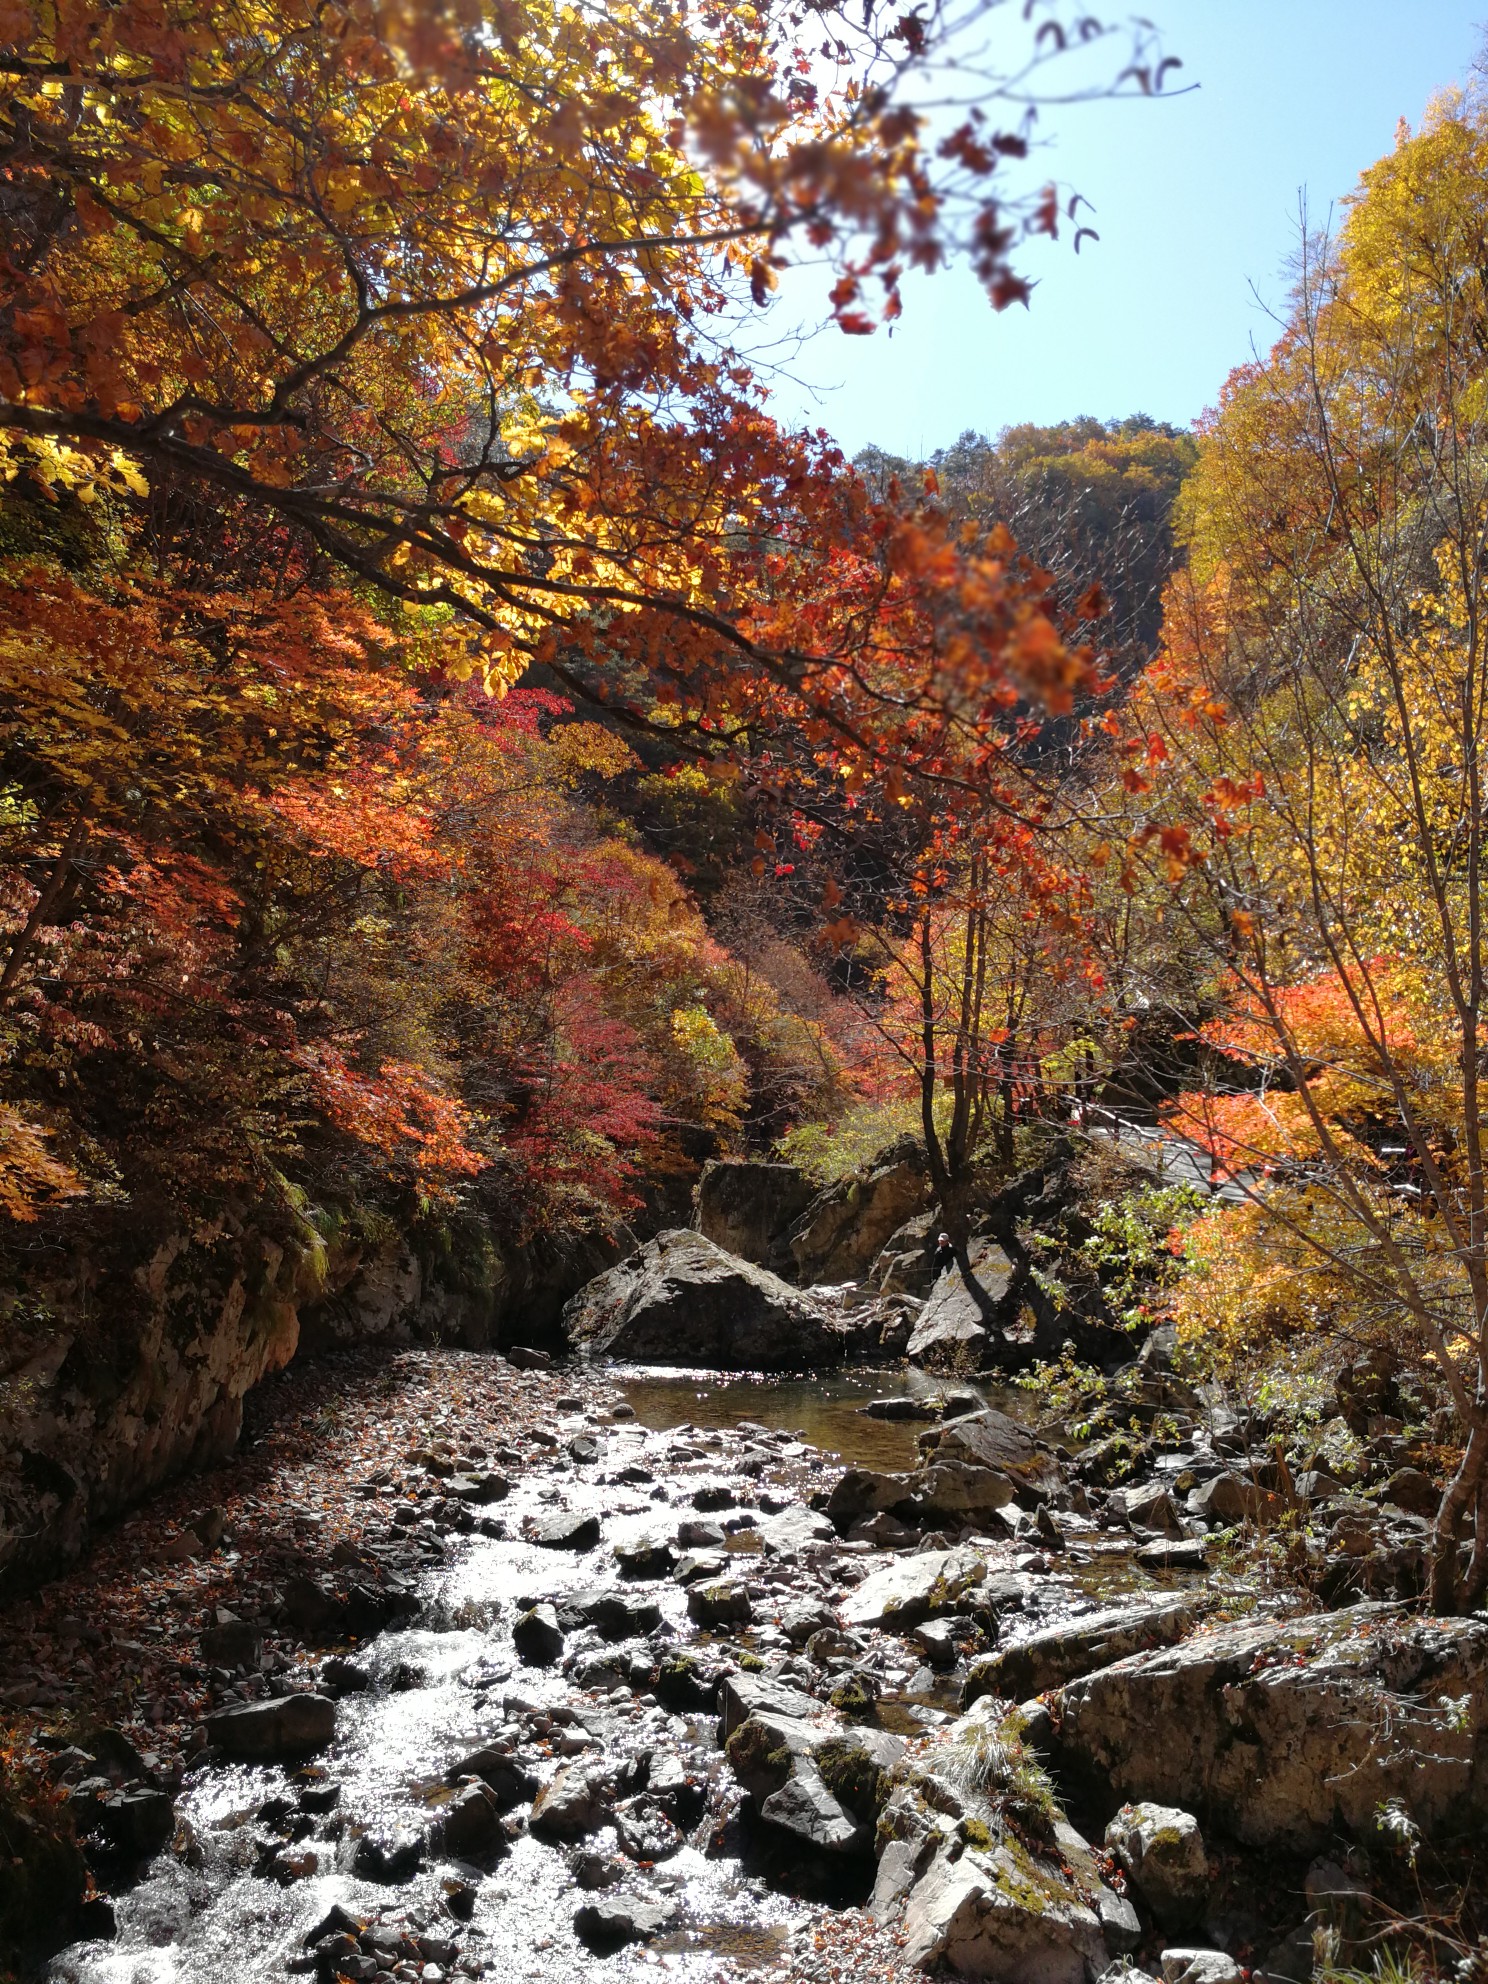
[821,1784]
[537,1636]
[389,1857]
[952,1334]
[844,1229]
[951,1490]
[796,1529]
[1049,1658]
[743,1695]
[915,1588]
[861,1492]
[469,1826]
[990,1439]
[901,1407]
[291,1726]
[1150,1507]
[614,1920]
[648,1556]
[1200,1967]
[804,1807]
[680,1300]
[725,1602]
[565,1529]
[1282,1732]
[800,1620]
[1230,1498]
[1162,1852]
[615,1613]
[747,1207]
[576,1802]
[136,1821]
[509,1782]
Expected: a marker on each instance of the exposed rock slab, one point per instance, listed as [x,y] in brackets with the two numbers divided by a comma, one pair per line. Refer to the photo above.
[1282,1732]
[1075,1646]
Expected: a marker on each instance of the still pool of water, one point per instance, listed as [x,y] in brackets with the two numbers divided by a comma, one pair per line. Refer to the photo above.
[824,1409]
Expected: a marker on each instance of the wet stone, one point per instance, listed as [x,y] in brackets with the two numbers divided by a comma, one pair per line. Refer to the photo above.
[567,1529]
[723,1603]
[389,1858]
[538,1635]
[610,1923]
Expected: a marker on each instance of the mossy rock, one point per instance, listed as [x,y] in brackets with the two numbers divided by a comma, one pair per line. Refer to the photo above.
[852,1777]
[757,1758]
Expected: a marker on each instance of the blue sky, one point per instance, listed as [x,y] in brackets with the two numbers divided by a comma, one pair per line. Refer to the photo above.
[1196,201]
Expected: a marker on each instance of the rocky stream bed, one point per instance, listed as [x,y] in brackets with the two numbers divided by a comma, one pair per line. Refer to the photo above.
[526,1674]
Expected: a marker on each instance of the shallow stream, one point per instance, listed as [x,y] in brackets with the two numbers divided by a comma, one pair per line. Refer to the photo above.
[257,1862]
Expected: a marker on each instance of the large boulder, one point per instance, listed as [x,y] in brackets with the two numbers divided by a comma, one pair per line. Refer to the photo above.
[819,1784]
[1281,1732]
[993,1880]
[682,1300]
[952,1333]
[991,1440]
[842,1232]
[747,1207]
[997,1913]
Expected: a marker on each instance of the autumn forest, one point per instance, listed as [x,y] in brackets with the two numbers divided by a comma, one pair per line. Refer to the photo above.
[470,774]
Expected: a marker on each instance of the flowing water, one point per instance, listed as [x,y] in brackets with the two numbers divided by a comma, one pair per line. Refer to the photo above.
[207,1912]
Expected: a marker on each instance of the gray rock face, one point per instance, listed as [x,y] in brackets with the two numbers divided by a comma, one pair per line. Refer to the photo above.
[907,1264]
[915,1588]
[292,1726]
[952,1334]
[682,1300]
[1284,1732]
[843,1230]
[1162,1851]
[747,1208]
[1058,1654]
